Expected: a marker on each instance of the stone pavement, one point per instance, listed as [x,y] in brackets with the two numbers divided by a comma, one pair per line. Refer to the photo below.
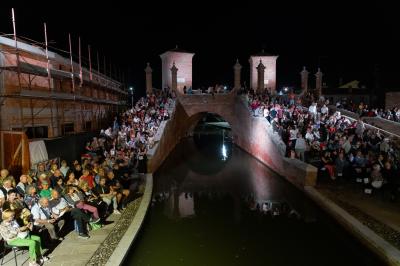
[374,211]
[72,251]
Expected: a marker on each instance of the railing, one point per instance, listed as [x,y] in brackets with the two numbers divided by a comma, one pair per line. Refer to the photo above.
[352,117]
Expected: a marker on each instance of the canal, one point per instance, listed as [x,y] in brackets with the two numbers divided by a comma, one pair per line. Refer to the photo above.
[214,204]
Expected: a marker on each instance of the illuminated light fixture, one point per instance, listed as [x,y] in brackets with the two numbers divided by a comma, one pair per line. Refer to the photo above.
[224,155]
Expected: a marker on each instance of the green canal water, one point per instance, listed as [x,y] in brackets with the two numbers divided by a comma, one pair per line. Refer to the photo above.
[220,206]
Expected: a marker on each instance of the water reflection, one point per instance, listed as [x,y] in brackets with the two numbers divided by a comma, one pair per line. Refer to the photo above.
[243,182]
[210,211]
[182,205]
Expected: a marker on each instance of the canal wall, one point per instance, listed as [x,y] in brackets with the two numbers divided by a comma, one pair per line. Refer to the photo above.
[256,136]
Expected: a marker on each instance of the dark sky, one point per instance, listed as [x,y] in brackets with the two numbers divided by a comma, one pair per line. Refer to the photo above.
[346,41]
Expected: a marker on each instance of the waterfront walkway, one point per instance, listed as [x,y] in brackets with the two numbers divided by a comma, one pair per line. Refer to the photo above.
[376,212]
[73,251]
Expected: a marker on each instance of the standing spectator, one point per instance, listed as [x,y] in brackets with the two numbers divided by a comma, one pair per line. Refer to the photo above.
[300,147]
[324,110]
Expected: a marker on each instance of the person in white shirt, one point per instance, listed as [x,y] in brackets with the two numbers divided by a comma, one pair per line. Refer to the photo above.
[309,135]
[293,134]
[7,186]
[108,132]
[300,147]
[313,110]
[324,110]
[43,217]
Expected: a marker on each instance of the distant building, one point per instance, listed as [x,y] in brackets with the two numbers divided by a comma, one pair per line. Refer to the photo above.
[351,91]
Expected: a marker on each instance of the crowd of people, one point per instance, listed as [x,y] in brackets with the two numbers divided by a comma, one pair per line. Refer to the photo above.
[339,147]
[364,110]
[48,203]
[206,90]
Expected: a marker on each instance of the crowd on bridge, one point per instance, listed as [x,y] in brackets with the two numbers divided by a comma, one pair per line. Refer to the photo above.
[49,203]
[216,89]
[339,146]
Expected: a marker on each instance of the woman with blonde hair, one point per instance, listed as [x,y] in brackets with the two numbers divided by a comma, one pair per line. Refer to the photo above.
[18,236]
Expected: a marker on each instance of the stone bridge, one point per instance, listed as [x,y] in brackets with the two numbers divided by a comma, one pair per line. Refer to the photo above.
[252,134]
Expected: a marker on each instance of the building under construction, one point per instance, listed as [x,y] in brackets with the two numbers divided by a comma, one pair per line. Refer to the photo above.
[44,94]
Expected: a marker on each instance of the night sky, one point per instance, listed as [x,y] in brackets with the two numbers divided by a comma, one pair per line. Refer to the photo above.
[345,41]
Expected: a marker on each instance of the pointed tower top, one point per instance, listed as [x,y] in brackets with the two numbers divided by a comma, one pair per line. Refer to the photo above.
[174,68]
[260,65]
[237,64]
[148,68]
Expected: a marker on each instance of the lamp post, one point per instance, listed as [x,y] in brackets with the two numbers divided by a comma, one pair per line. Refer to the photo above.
[132,90]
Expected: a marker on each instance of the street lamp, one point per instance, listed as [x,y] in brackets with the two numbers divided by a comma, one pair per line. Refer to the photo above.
[131,89]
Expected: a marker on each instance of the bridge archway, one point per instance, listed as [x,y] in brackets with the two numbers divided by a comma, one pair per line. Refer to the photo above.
[198,106]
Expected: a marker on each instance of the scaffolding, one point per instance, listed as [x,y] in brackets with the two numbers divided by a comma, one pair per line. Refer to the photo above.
[39,87]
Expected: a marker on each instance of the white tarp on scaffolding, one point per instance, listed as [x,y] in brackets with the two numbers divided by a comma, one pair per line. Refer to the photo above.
[38,152]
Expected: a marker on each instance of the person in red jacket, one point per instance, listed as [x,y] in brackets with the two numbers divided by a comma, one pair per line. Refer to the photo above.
[87,177]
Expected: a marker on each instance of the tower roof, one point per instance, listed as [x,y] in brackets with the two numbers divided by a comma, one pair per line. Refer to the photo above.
[263,53]
[176,50]
[179,50]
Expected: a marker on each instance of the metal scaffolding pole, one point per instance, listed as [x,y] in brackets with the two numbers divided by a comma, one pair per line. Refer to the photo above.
[51,89]
[98,63]
[90,64]
[90,73]
[80,64]
[18,67]
[72,64]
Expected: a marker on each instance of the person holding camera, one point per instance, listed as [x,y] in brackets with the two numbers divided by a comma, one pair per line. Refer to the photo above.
[18,236]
